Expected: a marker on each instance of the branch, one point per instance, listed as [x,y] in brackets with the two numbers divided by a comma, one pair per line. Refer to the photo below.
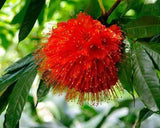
[103,18]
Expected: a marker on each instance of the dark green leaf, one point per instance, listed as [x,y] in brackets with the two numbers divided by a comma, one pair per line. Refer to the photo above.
[19,96]
[17,126]
[145,78]
[153,49]
[18,18]
[119,11]
[135,4]
[20,63]
[42,91]
[30,17]
[5,97]
[152,9]
[2,3]
[122,8]
[93,9]
[156,39]
[146,26]
[9,79]
[125,69]
[41,16]
[143,115]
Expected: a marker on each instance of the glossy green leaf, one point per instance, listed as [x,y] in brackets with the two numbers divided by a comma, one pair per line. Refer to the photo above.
[146,26]
[135,4]
[145,79]
[20,63]
[42,91]
[2,3]
[152,9]
[153,49]
[5,97]
[19,96]
[8,79]
[30,18]
[143,115]
[18,18]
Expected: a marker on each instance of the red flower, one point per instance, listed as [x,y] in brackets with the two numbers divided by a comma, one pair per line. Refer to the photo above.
[81,57]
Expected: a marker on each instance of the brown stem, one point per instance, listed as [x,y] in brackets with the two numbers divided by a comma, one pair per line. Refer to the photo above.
[103,18]
[113,7]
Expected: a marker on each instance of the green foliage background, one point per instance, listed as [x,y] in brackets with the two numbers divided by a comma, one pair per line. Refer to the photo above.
[24,24]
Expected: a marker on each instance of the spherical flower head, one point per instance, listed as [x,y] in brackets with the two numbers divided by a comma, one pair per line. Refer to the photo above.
[81,57]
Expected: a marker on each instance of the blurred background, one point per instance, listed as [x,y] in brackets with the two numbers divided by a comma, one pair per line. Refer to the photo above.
[53,111]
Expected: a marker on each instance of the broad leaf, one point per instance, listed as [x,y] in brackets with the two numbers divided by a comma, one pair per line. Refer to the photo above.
[30,17]
[5,97]
[41,16]
[143,115]
[18,18]
[19,96]
[135,4]
[125,68]
[93,9]
[122,8]
[9,79]
[153,49]
[146,26]
[20,63]
[145,79]
[152,9]
[42,91]
[2,3]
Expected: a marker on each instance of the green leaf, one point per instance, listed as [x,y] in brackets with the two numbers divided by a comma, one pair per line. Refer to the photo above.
[19,96]
[122,8]
[152,9]
[125,74]
[18,18]
[20,63]
[5,97]
[145,79]
[2,3]
[93,9]
[153,49]
[125,69]
[5,42]
[146,26]
[135,4]
[52,8]
[156,39]
[41,16]
[89,112]
[143,115]
[9,79]
[42,91]
[30,18]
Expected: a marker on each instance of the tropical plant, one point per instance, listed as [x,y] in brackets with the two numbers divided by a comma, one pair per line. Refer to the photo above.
[138,70]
